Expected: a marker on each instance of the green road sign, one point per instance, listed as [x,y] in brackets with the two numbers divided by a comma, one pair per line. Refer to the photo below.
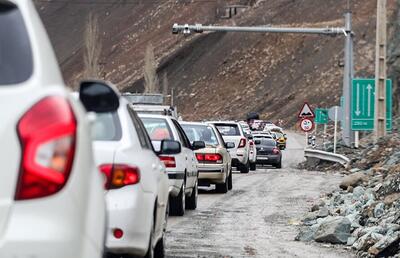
[363,104]
[321,116]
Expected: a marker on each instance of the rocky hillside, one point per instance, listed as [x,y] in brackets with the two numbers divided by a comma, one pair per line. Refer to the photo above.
[221,75]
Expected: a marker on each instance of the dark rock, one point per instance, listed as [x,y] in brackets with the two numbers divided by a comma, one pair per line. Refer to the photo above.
[335,230]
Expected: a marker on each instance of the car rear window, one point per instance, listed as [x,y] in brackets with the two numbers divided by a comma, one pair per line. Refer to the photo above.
[228,129]
[157,128]
[107,127]
[200,133]
[16,64]
[267,142]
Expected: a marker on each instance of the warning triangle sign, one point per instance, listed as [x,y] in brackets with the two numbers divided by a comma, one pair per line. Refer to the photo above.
[306,111]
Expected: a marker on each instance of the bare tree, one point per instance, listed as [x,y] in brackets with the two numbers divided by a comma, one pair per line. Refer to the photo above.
[93,47]
[151,82]
[165,87]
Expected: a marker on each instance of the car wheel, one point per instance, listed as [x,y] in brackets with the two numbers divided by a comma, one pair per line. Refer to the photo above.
[222,188]
[253,166]
[191,202]
[177,204]
[279,164]
[230,180]
[245,168]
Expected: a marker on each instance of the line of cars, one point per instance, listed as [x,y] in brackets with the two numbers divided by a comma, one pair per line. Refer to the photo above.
[85,174]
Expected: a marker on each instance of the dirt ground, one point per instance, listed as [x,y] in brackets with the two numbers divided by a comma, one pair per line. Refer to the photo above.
[258,217]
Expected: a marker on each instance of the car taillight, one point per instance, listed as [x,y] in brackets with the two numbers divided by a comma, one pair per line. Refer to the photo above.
[200,156]
[275,150]
[242,143]
[119,175]
[47,132]
[251,143]
[209,157]
[169,161]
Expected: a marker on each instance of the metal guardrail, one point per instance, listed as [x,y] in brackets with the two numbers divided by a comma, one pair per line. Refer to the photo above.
[329,156]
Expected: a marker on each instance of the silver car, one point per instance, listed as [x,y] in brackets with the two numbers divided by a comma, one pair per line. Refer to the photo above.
[214,160]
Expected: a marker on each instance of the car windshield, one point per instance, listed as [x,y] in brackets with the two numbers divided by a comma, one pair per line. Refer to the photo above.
[228,129]
[266,142]
[16,64]
[279,135]
[157,128]
[200,133]
[107,127]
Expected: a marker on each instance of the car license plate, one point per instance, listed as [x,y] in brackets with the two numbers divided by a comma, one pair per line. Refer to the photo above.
[262,158]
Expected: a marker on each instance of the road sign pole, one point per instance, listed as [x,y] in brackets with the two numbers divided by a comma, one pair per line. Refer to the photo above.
[347,133]
[380,71]
[357,139]
[335,130]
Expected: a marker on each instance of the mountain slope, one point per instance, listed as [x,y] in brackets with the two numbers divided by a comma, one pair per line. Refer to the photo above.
[220,75]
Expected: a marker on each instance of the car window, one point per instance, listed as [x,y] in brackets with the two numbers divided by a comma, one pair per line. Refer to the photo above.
[141,131]
[228,129]
[200,133]
[182,135]
[16,63]
[157,128]
[267,142]
[107,127]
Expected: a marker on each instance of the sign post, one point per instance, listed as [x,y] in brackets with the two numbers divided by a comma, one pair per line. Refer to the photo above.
[306,123]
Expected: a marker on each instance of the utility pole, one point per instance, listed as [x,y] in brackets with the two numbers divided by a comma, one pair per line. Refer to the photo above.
[347,134]
[380,71]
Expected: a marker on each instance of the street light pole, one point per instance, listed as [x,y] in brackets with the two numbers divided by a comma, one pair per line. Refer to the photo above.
[348,134]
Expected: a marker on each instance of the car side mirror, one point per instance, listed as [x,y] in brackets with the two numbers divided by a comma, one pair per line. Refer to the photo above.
[198,145]
[170,147]
[98,96]
[257,142]
[230,145]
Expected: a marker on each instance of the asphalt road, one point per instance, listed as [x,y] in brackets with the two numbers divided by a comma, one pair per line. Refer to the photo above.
[258,217]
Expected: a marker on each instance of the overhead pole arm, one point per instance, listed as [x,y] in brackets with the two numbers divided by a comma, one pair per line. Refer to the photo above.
[199,28]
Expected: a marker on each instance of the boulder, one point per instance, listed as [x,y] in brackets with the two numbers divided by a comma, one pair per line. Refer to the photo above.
[306,234]
[353,180]
[391,198]
[335,231]
[379,210]
[386,246]
[323,212]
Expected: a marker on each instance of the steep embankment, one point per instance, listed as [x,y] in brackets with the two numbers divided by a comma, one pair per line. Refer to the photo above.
[221,75]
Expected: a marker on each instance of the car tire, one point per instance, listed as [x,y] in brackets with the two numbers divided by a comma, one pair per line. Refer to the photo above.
[279,164]
[177,204]
[244,169]
[230,180]
[222,188]
[191,202]
[253,166]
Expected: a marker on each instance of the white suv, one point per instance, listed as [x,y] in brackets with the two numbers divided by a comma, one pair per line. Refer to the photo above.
[182,167]
[233,132]
[51,194]
[136,184]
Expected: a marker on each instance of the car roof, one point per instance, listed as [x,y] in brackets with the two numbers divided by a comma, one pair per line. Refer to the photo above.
[192,123]
[155,116]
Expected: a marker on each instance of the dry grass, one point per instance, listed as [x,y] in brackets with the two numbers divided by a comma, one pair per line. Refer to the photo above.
[151,82]
[93,48]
